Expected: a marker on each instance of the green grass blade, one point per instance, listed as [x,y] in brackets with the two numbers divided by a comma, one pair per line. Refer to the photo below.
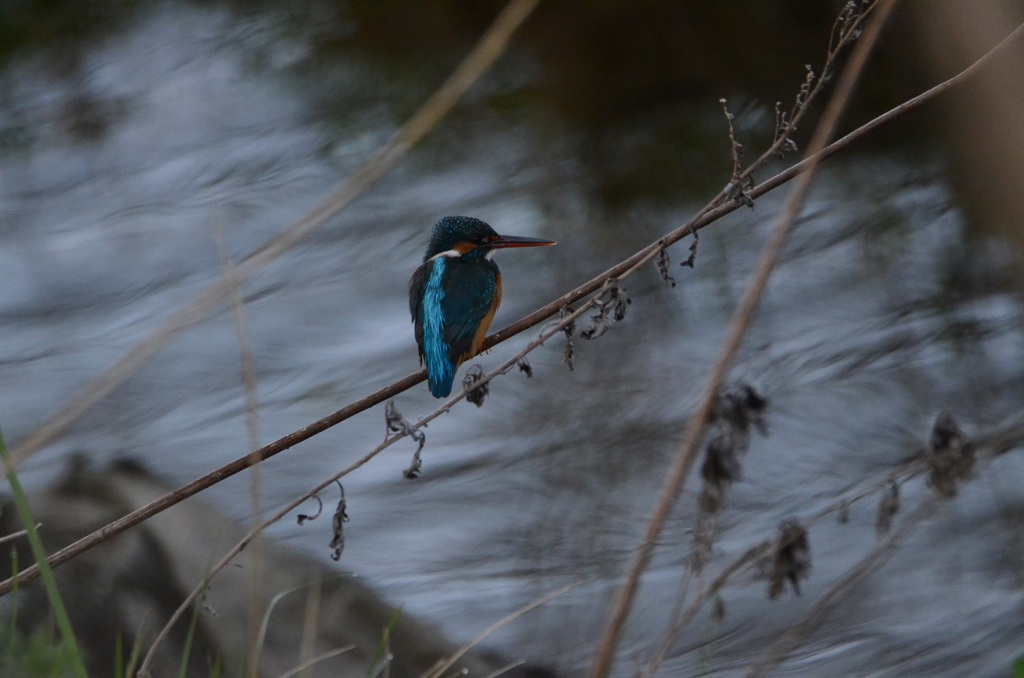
[133,657]
[193,623]
[265,622]
[381,661]
[49,583]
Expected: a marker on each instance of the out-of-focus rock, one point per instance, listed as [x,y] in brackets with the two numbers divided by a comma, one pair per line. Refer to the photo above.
[131,584]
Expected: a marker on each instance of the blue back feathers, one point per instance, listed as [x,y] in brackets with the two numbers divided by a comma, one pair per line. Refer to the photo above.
[433,349]
[452,299]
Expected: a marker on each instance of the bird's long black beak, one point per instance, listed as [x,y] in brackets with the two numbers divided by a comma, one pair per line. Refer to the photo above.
[518,241]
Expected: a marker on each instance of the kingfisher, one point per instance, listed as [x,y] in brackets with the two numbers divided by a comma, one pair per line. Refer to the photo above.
[454,293]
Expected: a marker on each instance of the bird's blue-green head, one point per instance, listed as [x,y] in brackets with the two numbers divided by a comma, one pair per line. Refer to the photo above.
[471,238]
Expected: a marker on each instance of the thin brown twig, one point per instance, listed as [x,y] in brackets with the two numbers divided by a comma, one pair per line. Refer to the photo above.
[738,325]
[705,218]
[252,429]
[310,623]
[734,145]
[438,671]
[502,670]
[491,46]
[309,663]
[750,556]
[17,535]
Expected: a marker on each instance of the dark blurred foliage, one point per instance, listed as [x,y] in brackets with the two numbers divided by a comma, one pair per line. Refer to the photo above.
[638,83]
[43,24]
[631,87]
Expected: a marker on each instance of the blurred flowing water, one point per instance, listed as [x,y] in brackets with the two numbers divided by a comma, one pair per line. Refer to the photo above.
[123,166]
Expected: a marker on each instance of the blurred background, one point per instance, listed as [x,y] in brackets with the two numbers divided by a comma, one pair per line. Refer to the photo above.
[132,133]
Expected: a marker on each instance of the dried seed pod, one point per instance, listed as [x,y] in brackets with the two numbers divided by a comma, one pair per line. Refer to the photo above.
[663,264]
[720,469]
[718,611]
[620,300]
[735,409]
[844,513]
[611,305]
[792,558]
[692,259]
[303,517]
[740,192]
[742,406]
[569,356]
[338,526]
[950,455]
[888,507]
[396,423]
[474,375]
[415,467]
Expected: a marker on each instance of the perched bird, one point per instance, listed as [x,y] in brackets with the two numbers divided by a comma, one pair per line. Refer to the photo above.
[454,293]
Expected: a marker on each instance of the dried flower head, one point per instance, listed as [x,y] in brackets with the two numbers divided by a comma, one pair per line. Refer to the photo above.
[888,507]
[791,560]
[844,512]
[611,305]
[415,467]
[663,264]
[474,375]
[692,259]
[338,526]
[950,455]
[569,356]
[720,469]
[396,423]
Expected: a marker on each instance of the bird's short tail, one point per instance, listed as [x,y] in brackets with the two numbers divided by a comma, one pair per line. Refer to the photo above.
[440,377]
